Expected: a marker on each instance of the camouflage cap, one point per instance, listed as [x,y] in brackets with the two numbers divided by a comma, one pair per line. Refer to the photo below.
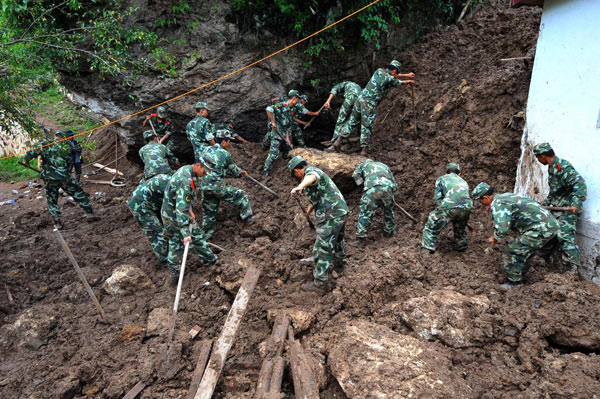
[148,135]
[297,160]
[231,122]
[480,190]
[304,97]
[395,64]
[293,93]
[452,166]
[542,148]
[202,105]
[161,112]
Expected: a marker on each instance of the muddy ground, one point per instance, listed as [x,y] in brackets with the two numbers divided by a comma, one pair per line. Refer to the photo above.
[540,340]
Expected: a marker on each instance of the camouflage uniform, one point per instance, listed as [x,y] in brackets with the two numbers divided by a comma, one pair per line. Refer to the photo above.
[214,188]
[75,159]
[451,195]
[331,212]
[55,159]
[145,203]
[162,128]
[351,92]
[365,107]
[220,130]
[296,137]
[282,114]
[536,225]
[380,187]
[199,131]
[158,159]
[178,198]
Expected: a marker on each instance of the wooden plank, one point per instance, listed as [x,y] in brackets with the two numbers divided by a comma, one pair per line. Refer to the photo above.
[225,341]
[195,331]
[200,366]
[137,388]
[106,168]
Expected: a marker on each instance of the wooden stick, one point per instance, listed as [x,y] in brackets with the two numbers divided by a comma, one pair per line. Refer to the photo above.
[308,387]
[310,223]
[276,378]
[264,379]
[133,392]
[464,11]
[557,208]
[295,366]
[29,167]
[515,59]
[225,341]
[200,367]
[210,244]
[267,189]
[99,181]
[8,294]
[412,90]
[405,212]
[276,340]
[109,170]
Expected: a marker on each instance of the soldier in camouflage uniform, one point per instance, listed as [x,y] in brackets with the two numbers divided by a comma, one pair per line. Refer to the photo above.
[145,203]
[365,107]
[200,131]
[380,188]
[331,212]
[280,118]
[297,110]
[55,174]
[178,218]
[214,189]
[351,92]
[158,158]
[567,189]
[451,195]
[229,126]
[162,125]
[535,225]
[76,159]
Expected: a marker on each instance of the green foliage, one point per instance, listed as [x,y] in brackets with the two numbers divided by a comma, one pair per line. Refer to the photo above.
[10,170]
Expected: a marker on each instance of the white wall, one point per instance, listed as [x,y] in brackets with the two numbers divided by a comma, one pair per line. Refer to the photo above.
[563,108]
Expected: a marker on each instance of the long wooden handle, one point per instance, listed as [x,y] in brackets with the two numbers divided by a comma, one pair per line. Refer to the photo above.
[310,223]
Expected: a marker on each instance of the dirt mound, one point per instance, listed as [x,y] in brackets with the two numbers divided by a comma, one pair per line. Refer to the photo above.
[539,340]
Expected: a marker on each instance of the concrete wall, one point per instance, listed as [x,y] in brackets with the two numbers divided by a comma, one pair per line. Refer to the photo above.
[564,109]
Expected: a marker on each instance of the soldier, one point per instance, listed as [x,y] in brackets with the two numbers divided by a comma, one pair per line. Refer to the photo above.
[162,125]
[365,107]
[380,188]
[228,126]
[280,117]
[55,159]
[214,189]
[158,158]
[75,159]
[178,218]
[300,109]
[330,217]
[200,130]
[351,92]
[451,195]
[535,225]
[567,189]
[145,203]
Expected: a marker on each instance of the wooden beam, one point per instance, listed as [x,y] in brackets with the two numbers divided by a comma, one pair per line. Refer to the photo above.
[200,366]
[225,341]
[137,388]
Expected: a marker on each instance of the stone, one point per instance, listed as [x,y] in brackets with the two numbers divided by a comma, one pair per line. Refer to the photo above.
[372,361]
[301,319]
[127,280]
[455,319]
[132,332]
[67,388]
[31,328]
[158,322]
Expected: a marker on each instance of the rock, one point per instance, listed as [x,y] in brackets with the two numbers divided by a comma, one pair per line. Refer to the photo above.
[231,276]
[372,361]
[31,328]
[301,319]
[451,317]
[67,388]
[93,275]
[337,166]
[126,280]
[158,322]
[132,332]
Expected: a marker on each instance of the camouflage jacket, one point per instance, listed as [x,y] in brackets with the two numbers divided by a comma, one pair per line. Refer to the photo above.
[380,84]
[451,192]
[350,89]
[148,196]
[513,212]
[55,159]
[567,187]
[162,128]
[325,197]
[221,128]
[179,197]
[374,174]
[299,109]
[282,113]
[158,159]
[221,165]
[200,131]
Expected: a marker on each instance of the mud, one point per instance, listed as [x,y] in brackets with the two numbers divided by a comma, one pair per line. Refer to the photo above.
[540,340]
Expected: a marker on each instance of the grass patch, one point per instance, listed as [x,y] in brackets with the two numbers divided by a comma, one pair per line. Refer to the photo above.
[10,170]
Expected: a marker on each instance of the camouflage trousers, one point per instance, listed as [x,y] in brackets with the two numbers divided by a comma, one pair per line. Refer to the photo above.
[266,141]
[363,113]
[370,201]
[277,147]
[210,206]
[152,226]
[343,116]
[172,235]
[567,222]
[71,187]
[438,219]
[329,246]
[297,137]
[517,254]
[199,150]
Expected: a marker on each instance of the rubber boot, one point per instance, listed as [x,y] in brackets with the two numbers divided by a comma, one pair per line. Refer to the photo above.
[509,285]
[316,286]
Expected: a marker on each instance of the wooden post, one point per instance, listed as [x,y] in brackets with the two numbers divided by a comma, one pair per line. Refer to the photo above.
[276,378]
[301,371]
[271,371]
[264,379]
[295,366]
[200,366]
[225,341]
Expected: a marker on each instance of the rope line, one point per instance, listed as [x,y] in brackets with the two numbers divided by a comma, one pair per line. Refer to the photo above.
[201,86]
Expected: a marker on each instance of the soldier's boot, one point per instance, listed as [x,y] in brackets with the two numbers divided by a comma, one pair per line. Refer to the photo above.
[335,146]
[173,278]
[388,234]
[315,286]
[57,223]
[426,251]
[572,269]
[250,220]
[92,217]
[163,264]
[509,285]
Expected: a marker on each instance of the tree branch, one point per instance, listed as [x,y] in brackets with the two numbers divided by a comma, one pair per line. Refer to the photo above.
[48,11]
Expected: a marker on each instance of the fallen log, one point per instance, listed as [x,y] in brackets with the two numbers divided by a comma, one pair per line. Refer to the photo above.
[276,379]
[271,371]
[200,367]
